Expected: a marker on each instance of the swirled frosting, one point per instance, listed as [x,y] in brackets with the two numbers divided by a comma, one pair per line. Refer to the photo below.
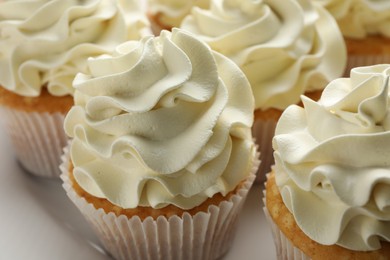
[333,161]
[173,11]
[45,43]
[285,47]
[161,121]
[360,18]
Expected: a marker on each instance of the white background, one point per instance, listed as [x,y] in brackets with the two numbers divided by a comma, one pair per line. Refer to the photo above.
[37,221]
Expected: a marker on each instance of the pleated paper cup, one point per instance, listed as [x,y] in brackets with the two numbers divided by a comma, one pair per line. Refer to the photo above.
[365,60]
[204,235]
[38,139]
[371,50]
[263,131]
[283,246]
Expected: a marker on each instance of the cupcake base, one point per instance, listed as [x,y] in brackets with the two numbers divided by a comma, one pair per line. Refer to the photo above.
[290,241]
[35,126]
[200,234]
[368,51]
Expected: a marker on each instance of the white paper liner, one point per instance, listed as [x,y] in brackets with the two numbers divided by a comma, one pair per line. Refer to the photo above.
[38,140]
[263,131]
[365,60]
[201,236]
[284,248]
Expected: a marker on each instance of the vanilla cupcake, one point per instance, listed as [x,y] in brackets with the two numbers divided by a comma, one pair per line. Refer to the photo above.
[166,14]
[328,194]
[162,153]
[285,48]
[43,44]
[365,25]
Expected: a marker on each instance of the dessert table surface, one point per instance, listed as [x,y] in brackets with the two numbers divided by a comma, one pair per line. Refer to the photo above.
[37,221]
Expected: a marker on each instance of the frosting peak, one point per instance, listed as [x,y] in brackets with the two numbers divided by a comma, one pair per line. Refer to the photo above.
[165,120]
[332,161]
[45,43]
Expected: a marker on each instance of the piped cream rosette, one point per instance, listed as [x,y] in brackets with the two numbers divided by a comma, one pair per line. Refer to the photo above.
[163,121]
[332,161]
[46,43]
[360,18]
[285,48]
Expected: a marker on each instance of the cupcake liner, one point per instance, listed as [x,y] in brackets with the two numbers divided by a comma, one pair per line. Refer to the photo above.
[37,138]
[205,235]
[365,60]
[263,131]
[284,248]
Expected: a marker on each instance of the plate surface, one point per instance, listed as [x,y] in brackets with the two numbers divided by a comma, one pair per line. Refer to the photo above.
[37,221]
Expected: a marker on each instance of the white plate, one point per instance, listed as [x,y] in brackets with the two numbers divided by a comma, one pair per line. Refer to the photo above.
[37,221]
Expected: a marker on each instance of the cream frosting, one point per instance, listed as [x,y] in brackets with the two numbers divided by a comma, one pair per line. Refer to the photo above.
[161,121]
[360,18]
[332,161]
[172,12]
[285,47]
[45,43]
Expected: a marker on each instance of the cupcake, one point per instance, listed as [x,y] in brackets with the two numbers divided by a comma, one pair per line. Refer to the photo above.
[166,14]
[328,194]
[285,48]
[365,25]
[43,44]
[162,154]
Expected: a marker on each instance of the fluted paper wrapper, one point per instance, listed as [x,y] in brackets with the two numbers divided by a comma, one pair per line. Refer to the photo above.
[365,60]
[263,131]
[38,140]
[205,235]
[284,248]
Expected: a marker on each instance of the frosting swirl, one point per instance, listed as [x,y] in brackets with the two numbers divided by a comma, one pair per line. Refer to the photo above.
[285,48]
[360,18]
[45,43]
[173,11]
[332,161]
[161,121]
